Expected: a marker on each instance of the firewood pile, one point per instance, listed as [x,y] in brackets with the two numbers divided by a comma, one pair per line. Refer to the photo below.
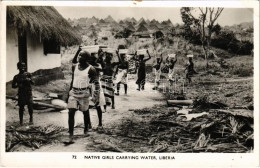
[33,136]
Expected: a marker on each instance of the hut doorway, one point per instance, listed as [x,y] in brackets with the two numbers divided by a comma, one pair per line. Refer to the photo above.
[22,48]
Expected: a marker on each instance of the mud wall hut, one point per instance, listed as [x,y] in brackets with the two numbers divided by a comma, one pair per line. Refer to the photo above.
[34,35]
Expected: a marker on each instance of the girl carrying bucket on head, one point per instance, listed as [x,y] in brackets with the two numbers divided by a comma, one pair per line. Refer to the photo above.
[122,70]
[171,59]
[107,79]
[141,74]
[190,68]
[96,64]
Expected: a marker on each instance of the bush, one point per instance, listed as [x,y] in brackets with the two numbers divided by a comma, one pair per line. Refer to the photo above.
[245,48]
[242,70]
[233,47]
[223,40]
[227,41]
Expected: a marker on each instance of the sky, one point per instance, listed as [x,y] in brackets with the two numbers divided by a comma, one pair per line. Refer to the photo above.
[228,17]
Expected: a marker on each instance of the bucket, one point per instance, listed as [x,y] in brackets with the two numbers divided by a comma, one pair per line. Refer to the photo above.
[123,51]
[91,49]
[141,52]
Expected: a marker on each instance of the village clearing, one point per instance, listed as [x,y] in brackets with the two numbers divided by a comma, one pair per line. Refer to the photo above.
[219,120]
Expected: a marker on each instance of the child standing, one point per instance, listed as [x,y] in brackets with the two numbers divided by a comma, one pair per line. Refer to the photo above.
[23,81]
[170,65]
[190,70]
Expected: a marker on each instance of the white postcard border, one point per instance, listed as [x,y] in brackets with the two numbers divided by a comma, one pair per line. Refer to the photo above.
[191,160]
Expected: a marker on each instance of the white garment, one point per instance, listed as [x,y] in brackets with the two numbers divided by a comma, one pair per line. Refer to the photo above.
[102,100]
[157,75]
[121,76]
[171,74]
[81,78]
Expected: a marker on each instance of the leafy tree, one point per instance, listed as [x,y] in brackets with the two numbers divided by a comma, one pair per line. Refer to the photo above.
[202,21]
[187,20]
[224,39]
[216,29]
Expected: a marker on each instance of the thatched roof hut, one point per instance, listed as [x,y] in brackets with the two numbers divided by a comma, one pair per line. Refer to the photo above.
[153,28]
[43,21]
[133,20]
[142,28]
[130,27]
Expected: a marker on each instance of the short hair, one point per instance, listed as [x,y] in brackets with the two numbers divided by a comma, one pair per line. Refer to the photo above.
[85,54]
[141,56]
[109,57]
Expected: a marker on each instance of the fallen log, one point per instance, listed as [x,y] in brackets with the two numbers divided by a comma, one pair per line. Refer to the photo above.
[41,99]
[45,110]
[49,105]
[236,112]
[41,104]
[179,102]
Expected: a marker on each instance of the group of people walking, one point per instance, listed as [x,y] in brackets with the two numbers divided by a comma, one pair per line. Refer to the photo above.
[94,76]
[169,66]
[97,78]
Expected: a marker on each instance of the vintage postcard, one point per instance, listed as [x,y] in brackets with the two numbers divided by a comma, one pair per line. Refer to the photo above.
[133,84]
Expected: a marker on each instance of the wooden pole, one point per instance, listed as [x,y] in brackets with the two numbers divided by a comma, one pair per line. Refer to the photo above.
[179,102]
[41,104]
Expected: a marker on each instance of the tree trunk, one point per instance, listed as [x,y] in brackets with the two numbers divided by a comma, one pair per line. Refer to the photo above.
[205,50]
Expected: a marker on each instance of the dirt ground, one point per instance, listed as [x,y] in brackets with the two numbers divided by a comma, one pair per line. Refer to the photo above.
[133,100]
[143,122]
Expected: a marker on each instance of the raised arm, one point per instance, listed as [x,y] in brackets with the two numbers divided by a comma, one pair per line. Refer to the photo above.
[135,56]
[161,59]
[115,63]
[115,72]
[167,58]
[187,66]
[117,53]
[148,55]
[101,61]
[98,67]
[175,60]
[74,60]
[100,52]
[127,66]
